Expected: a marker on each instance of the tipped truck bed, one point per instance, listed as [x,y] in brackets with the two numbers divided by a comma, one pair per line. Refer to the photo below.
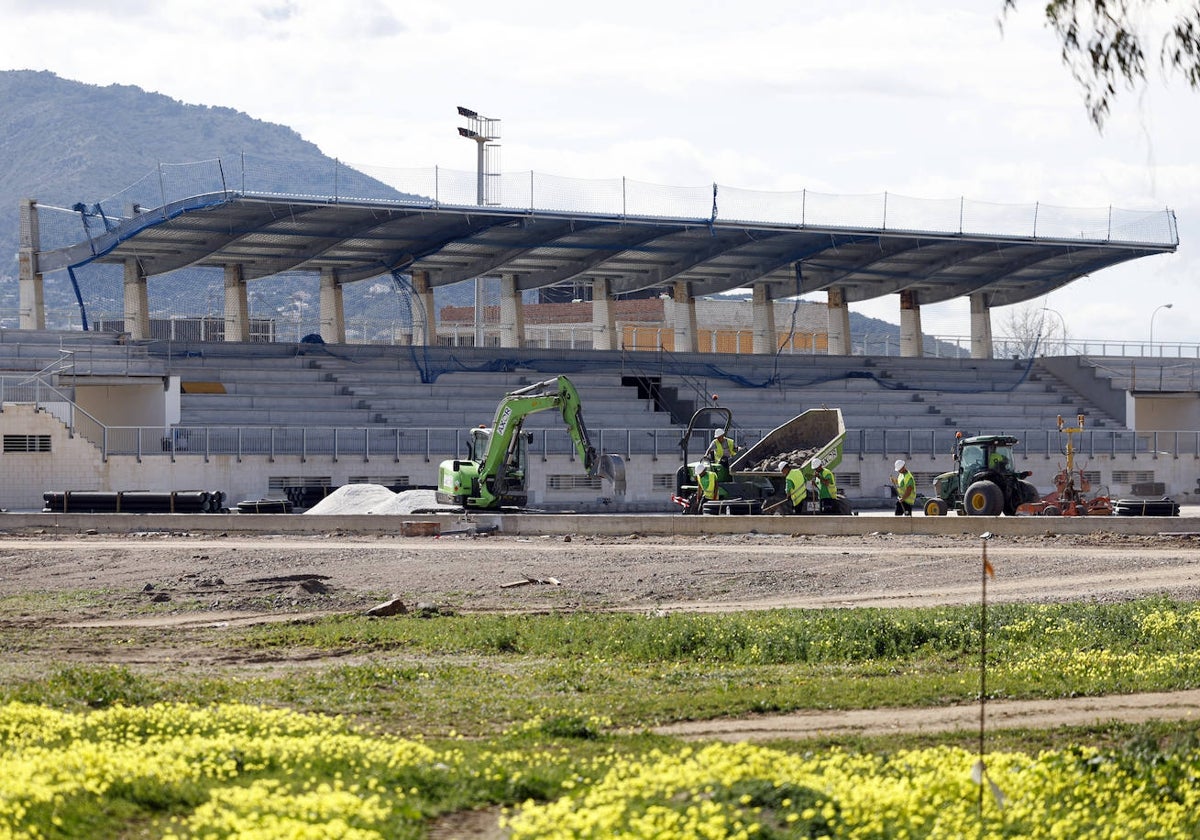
[818,428]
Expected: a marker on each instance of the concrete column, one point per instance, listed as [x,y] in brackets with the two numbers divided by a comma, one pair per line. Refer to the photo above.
[679,314]
[31,302]
[604,322]
[765,340]
[912,341]
[839,323]
[512,313]
[333,313]
[981,327]
[421,309]
[237,314]
[137,301]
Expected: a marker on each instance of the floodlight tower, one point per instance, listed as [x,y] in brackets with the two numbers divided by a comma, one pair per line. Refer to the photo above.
[485,131]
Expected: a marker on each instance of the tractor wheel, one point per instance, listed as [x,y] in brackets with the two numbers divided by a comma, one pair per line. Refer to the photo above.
[984,498]
[1052,510]
[936,507]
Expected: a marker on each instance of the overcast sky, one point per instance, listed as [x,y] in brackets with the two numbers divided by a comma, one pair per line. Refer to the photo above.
[922,99]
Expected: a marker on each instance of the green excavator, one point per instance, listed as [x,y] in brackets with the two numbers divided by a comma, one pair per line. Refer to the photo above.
[493,474]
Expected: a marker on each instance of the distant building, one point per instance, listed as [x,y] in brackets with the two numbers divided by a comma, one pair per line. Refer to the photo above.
[723,325]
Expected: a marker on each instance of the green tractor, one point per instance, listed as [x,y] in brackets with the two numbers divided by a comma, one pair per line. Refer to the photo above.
[983,482]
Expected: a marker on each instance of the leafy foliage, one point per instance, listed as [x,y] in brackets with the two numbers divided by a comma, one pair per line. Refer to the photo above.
[1103,45]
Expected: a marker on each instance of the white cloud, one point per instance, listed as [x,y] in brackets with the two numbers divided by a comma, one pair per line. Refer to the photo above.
[917,99]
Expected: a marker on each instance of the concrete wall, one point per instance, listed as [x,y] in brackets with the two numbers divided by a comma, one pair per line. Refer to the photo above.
[1162,412]
[1085,379]
[131,405]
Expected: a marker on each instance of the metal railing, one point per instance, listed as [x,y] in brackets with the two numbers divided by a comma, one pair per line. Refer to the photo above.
[436,444]
[433,443]
[647,337]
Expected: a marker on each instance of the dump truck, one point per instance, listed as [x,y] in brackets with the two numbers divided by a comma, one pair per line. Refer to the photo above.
[751,482]
[494,472]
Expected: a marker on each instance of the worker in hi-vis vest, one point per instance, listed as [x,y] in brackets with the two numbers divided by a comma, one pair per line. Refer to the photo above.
[906,489]
[826,486]
[794,485]
[720,452]
[709,481]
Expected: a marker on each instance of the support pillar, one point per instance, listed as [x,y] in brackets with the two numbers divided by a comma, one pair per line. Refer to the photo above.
[237,314]
[912,341]
[512,313]
[333,313]
[136,301]
[981,327]
[421,310]
[30,298]
[765,340]
[604,322]
[839,323]
[679,313]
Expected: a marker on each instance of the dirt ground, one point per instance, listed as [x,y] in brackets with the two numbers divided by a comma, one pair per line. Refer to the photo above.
[207,580]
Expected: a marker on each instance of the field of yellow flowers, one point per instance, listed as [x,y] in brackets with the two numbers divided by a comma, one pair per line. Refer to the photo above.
[237,771]
[547,720]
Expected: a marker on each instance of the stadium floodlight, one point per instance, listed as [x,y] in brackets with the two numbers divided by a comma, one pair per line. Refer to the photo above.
[484,131]
[1152,314]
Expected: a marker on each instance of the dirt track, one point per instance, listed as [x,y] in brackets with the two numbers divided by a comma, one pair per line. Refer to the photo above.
[206,580]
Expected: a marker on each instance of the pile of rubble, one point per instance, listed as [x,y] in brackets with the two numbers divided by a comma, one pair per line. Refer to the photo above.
[795,457]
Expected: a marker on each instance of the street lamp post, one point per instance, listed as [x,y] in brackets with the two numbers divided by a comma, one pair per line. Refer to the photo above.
[1063,322]
[484,131]
[1155,312]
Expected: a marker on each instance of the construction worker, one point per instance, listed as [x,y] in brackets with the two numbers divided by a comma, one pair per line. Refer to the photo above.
[906,489]
[720,452]
[709,481]
[794,486]
[826,486]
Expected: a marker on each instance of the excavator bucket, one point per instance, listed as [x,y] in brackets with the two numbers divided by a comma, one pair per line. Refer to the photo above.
[612,472]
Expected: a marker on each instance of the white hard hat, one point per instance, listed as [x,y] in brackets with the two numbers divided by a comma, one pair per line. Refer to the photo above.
[783,465]
[720,433]
[817,462]
[899,463]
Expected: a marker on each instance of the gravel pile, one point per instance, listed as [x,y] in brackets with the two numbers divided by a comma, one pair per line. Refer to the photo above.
[377,499]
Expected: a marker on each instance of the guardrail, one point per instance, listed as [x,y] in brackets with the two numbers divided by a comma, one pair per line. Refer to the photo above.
[435,444]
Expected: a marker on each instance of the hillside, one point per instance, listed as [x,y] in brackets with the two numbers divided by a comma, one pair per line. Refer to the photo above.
[64,142]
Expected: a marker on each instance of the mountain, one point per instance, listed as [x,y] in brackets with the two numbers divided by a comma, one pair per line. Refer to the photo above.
[64,143]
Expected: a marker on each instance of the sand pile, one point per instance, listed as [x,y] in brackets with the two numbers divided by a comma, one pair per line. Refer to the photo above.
[377,499]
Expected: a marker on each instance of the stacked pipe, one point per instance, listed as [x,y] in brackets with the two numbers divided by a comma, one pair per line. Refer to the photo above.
[134,501]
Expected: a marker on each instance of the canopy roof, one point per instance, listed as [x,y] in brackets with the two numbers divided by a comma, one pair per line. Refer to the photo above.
[269,234]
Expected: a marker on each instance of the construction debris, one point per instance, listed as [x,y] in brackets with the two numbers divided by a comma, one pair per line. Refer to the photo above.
[794,457]
[527,580]
[392,607]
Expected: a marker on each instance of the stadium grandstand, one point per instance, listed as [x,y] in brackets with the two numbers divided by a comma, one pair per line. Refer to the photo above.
[253,342]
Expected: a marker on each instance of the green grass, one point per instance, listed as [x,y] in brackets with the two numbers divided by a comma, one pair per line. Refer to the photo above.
[480,674]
